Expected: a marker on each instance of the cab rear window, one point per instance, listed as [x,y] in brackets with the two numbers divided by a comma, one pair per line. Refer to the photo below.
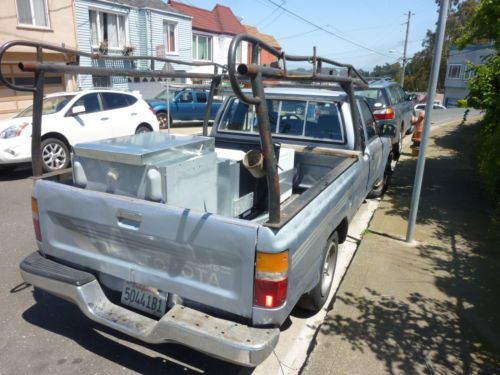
[288,118]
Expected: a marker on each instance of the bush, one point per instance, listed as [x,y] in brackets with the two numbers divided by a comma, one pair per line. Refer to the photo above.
[462,103]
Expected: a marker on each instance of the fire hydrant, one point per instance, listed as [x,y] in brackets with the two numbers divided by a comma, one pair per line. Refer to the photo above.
[418,122]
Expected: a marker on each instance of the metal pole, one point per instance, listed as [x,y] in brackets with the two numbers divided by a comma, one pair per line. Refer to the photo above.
[431,91]
[36,127]
[208,109]
[404,51]
[168,106]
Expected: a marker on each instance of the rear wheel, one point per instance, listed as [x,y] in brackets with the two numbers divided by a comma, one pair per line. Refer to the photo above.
[316,298]
[143,129]
[397,147]
[163,120]
[55,155]
[380,189]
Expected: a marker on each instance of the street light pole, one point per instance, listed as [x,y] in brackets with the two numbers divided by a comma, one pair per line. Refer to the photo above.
[431,92]
[404,51]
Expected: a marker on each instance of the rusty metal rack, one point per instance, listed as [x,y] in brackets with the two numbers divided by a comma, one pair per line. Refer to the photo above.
[235,72]
[40,68]
[257,73]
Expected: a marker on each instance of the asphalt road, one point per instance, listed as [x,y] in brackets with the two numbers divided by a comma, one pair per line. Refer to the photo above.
[42,334]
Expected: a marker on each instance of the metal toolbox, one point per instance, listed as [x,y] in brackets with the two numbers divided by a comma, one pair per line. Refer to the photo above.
[179,170]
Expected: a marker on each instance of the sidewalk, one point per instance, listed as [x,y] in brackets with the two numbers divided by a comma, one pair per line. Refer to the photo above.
[431,308]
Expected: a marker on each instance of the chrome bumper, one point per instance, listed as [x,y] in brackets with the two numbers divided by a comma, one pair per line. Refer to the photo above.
[216,337]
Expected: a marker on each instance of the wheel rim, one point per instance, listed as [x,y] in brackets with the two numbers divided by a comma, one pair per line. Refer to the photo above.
[54,156]
[162,119]
[328,270]
[142,129]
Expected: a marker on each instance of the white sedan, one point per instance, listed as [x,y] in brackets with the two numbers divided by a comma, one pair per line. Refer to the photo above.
[421,107]
[70,118]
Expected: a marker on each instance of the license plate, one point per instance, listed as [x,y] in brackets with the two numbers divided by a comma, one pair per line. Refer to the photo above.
[144,298]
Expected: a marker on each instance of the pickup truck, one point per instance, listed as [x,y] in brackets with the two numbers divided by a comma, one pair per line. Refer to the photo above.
[229,283]
[185,105]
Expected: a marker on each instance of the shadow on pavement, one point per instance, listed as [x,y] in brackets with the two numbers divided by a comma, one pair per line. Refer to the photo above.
[18,173]
[459,330]
[63,318]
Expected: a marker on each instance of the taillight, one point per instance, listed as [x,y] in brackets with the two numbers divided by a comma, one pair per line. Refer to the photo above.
[36,221]
[384,114]
[271,279]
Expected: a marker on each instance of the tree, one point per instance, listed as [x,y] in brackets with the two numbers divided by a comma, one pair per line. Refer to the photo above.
[484,91]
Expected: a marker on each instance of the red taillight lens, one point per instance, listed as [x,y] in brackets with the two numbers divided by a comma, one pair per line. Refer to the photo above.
[270,293]
[384,114]
[271,279]
[36,222]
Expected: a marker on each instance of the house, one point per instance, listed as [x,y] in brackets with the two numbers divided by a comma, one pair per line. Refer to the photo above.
[265,58]
[48,21]
[131,27]
[213,31]
[457,72]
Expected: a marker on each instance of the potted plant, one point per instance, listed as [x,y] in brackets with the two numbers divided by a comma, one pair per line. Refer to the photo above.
[103,47]
[127,50]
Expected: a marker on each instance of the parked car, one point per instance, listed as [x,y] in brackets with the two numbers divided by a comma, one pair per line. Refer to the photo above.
[390,104]
[185,105]
[70,118]
[230,281]
[421,107]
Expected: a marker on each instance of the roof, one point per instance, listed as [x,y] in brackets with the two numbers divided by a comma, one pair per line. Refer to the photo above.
[153,4]
[269,39]
[220,19]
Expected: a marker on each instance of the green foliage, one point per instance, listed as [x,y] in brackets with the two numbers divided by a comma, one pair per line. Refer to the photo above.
[392,71]
[484,92]
[462,103]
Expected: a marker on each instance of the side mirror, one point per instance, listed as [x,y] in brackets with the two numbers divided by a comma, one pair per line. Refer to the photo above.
[411,97]
[77,109]
[387,130]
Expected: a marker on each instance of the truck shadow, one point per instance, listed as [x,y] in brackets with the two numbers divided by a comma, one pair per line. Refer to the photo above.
[63,318]
[18,173]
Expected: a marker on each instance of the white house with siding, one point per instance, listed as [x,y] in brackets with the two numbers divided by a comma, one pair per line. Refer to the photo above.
[137,27]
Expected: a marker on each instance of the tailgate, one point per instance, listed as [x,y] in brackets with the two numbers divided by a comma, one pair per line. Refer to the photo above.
[199,256]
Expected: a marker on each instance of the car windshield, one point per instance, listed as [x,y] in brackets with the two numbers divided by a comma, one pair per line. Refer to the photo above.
[373,96]
[163,95]
[50,105]
[288,118]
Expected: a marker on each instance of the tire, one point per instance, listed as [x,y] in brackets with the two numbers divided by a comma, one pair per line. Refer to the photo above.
[143,129]
[163,120]
[397,147]
[315,299]
[378,191]
[55,155]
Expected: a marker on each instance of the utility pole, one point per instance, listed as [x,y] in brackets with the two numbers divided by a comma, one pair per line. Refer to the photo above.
[431,92]
[404,51]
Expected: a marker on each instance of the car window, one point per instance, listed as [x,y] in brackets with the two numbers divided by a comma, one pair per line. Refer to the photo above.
[373,96]
[90,102]
[402,93]
[185,97]
[368,120]
[394,94]
[112,100]
[201,97]
[49,106]
[130,99]
[288,118]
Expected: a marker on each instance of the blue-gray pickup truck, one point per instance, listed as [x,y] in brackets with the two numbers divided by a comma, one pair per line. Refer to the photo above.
[221,282]
[185,105]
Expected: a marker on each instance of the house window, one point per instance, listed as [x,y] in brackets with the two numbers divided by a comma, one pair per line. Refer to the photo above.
[468,74]
[238,54]
[33,13]
[170,37]
[202,47]
[107,28]
[454,71]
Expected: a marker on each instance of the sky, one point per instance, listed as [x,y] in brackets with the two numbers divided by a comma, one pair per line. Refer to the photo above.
[377,27]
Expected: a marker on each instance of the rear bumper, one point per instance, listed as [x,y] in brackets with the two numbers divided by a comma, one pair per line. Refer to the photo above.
[223,339]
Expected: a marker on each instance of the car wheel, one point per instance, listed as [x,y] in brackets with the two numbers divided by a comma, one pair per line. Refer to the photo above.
[316,298]
[55,155]
[163,120]
[397,147]
[143,129]
[380,189]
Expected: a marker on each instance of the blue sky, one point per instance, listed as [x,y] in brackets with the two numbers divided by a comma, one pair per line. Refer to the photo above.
[378,25]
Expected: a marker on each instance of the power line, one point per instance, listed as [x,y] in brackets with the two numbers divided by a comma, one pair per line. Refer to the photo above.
[328,31]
